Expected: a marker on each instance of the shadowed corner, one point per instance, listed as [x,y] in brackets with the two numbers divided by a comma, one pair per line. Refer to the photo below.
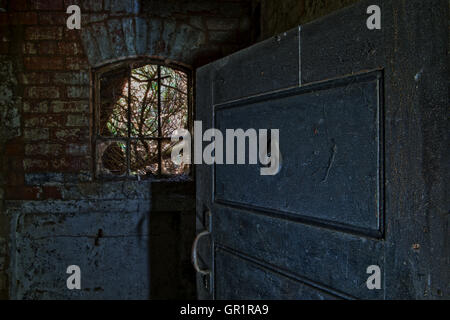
[171,233]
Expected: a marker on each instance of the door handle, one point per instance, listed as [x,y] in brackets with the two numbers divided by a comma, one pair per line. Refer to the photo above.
[195,255]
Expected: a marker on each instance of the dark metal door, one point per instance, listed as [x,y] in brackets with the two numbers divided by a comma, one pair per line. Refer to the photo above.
[361,115]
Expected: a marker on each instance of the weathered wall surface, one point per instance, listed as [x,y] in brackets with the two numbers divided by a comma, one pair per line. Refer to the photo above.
[190,32]
[10,101]
[101,228]
[280,16]
[52,211]
[115,232]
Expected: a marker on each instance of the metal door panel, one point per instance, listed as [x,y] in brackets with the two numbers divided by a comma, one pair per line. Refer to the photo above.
[329,260]
[331,150]
[238,278]
[306,237]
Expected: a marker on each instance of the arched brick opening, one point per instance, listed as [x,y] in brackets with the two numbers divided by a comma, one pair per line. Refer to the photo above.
[120,39]
[46,188]
[191,36]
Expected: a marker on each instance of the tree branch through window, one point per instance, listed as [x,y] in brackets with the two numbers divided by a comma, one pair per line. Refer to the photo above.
[138,108]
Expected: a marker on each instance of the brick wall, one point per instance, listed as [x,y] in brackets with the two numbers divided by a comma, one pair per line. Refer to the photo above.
[51,208]
[53,81]
[52,68]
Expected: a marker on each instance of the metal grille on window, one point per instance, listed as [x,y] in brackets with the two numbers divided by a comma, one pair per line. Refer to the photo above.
[138,108]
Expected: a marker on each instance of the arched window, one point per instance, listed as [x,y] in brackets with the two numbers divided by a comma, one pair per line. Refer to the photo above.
[138,105]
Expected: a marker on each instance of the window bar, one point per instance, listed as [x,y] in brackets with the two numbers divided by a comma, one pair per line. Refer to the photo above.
[96,121]
[129,123]
[190,115]
[159,122]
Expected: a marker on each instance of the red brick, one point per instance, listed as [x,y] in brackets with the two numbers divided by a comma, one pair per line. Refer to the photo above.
[43,149]
[77,120]
[15,178]
[51,192]
[29,48]
[42,92]
[71,134]
[18,5]
[35,106]
[48,5]
[70,106]
[69,164]
[35,78]
[44,121]
[4,19]
[23,18]
[77,149]
[52,18]
[71,2]
[47,47]
[36,134]
[44,33]
[76,63]
[35,165]
[4,47]
[69,48]
[23,193]
[78,92]
[71,34]
[5,33]
[14,149]
[14,163]
[44,63]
